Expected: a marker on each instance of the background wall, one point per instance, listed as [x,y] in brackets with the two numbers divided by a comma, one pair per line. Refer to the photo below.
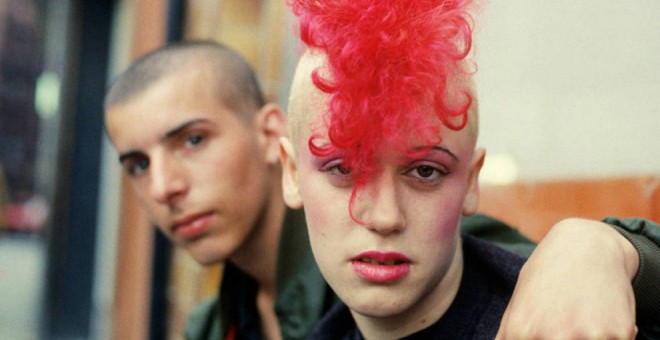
[569,89]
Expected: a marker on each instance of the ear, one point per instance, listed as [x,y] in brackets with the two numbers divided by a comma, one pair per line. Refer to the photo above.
[290,185]
[270,124]
[471,200]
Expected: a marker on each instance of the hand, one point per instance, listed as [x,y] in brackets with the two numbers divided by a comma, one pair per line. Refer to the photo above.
[576,285]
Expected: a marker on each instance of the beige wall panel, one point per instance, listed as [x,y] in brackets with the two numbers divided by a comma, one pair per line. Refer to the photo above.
[135,239]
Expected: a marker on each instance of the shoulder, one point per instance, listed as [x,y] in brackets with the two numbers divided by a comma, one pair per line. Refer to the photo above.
[495,261]
[503,235]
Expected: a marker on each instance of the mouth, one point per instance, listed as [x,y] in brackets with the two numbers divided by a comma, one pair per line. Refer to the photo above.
[381,267]
[192,226]
[370,260]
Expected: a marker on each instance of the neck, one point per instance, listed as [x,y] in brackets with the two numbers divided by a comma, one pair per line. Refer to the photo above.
[258,256]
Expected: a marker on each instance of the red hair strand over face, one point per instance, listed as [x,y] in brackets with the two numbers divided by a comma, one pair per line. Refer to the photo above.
[389,66]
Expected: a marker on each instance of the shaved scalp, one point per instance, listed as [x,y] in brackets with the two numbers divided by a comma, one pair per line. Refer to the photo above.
[234,80]
[305,98]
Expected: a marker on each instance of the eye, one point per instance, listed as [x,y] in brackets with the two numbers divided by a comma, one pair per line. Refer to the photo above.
[194,139]
[136,167]
[339,174]
[338,170]
[426,173]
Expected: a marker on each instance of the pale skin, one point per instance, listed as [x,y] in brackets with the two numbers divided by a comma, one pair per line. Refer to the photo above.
[209,179]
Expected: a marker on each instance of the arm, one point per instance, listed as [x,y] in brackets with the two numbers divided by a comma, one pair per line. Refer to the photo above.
[577,282]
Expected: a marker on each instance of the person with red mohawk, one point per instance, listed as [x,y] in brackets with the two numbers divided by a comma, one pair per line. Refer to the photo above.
[382,155]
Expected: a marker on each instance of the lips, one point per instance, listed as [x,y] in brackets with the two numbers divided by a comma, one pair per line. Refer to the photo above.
[193,226]
[381,267]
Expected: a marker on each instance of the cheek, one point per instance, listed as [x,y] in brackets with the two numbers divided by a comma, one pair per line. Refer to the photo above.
[324,206]
[141,193]
[234,165]
[443,217]
[317,215]
[319,230]
[327,237]
[449,219]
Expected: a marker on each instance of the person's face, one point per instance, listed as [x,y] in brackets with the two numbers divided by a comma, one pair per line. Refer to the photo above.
[403,260]
[199,170]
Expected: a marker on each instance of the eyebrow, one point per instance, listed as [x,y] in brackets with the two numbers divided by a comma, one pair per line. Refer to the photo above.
[181,127]
[128,155]
[447,151]
[168,135]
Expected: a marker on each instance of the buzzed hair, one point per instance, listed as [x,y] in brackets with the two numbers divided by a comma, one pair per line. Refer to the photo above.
[237,85]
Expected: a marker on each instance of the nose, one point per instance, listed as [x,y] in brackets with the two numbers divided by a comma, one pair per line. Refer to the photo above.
[379,207]
[167,180]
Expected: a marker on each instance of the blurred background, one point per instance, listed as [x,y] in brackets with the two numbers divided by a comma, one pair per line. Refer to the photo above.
[569,94]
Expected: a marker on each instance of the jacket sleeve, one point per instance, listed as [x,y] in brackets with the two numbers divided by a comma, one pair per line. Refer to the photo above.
[645,237]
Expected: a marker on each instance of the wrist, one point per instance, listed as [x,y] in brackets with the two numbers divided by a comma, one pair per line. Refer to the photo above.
[602,240]
[631,256]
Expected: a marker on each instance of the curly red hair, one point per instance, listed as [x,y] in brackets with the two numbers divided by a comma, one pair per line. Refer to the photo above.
[390,63]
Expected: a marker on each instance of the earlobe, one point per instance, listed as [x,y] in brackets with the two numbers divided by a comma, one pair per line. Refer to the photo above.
[290,186]
[471,200]
[271,124]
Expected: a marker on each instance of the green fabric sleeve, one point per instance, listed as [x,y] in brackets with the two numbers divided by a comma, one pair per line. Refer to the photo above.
[645,237]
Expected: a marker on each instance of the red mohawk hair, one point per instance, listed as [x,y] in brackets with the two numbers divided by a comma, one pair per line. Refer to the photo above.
[390,64]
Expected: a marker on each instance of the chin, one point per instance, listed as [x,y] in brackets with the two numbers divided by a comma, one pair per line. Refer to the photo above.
[377,308]
[378,312]
[208,261]
[206,258]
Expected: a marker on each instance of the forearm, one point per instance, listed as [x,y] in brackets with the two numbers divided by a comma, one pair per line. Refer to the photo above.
[576,284]
[607,241]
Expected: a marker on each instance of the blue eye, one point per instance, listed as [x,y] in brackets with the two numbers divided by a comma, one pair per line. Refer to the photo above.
[194,139]
[137,166]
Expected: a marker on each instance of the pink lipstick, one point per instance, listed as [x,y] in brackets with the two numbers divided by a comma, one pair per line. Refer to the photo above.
[193,226]
[381,267]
